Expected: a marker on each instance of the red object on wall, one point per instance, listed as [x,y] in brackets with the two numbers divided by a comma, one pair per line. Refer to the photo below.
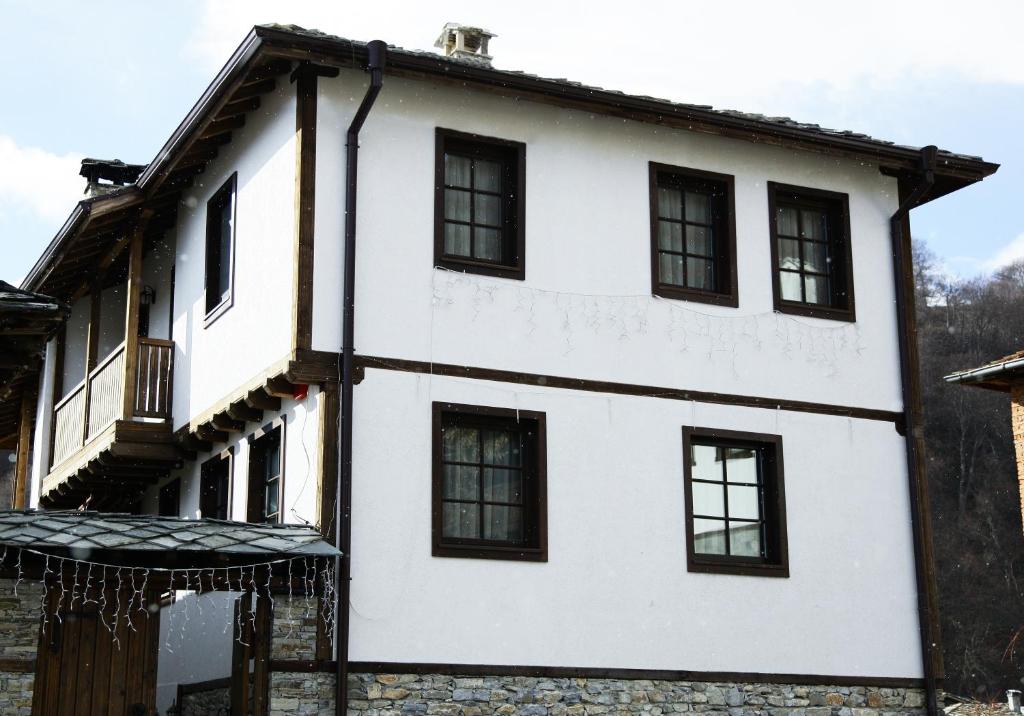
[301,391]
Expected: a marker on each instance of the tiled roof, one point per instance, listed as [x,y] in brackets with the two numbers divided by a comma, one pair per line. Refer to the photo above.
[88,531]
[764,120]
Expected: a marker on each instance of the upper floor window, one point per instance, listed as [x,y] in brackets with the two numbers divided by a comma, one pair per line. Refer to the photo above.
[693,240]
[266,474]
[735,503]
[813,271]
[479,204]
[215,487]
[489,483]
[220,248]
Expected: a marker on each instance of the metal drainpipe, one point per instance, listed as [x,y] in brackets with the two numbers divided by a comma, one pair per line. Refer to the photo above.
[376,58]
[899,258]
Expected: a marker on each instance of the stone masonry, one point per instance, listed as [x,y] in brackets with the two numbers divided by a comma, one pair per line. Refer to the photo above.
[19,638]
[438,695]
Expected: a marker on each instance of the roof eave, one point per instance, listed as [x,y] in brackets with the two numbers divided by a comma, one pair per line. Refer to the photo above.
[992,377]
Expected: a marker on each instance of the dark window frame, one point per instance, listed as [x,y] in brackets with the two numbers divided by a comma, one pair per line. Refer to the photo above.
[226,298]
[167,490]
[514,205]
[227,458]
[480,549]
[837,207]
[724,226]
[773,498]
[256,478]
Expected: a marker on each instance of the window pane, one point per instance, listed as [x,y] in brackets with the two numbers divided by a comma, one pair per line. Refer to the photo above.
[456,170]
[224,258]
[698,240]
[456,204]
[743,503]
[745,539]
[814,223]
[816,289]
[699,274]
[671,269]
[461,482]
[503,523]
[708,499]
[456,240]
[461,444]
[789,254]
[501,447]
[816,256]
[488,209]
[273,486]
[488,244]
[741,465]
[786,221]
[670,203]
[460,520]
[790,284]
[706,464]
[487,175]
[709,536]
[670,236]
[698,207]
[503,485]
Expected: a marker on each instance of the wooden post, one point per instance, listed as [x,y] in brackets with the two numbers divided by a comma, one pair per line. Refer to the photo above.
[58,384]
[131,321]
[92,347]
[305,201]
[24,449]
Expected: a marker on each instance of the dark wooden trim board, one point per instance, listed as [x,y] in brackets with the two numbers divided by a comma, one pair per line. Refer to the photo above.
[515,219]
[724,250]
[535,497]
[567,672]
[18,666]
[305,203]
[645,391]
[840,204]
[773,492]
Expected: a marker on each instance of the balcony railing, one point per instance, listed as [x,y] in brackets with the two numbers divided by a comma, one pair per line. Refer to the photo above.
[99,400]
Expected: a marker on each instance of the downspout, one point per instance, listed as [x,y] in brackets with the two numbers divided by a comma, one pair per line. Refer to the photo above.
[376,57]
[918,490]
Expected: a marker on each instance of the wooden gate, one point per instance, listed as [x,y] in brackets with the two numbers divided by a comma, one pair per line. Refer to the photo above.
[85,669]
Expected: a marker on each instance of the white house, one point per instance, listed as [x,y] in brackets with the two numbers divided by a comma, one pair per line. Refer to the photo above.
[620,394]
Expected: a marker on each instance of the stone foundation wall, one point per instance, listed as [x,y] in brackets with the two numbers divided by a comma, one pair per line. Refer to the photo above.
[303,694]
[204,703]
[439,695]
[19,640]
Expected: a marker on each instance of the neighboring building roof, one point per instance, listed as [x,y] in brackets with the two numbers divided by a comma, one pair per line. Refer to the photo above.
[270,50]
[157,539]
[1001,374]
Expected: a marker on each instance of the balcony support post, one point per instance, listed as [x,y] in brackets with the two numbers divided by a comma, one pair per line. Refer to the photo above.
[92,346]
[131,320]
[24,447]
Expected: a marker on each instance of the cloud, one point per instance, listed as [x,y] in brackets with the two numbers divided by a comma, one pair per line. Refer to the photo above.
[33,180]
[728,53]
[1011,252]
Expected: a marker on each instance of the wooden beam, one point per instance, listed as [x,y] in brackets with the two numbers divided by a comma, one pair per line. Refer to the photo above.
[220,127]
[131,320]
[240,107]
[259,398]
[58,387]
[24,450]
[305,201]
[254,89]
[280,387]
[327,461]
[208,433]
[222,421]
[240,411]
[193,444]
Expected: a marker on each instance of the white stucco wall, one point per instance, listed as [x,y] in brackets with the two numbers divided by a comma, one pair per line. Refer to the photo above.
[615,591]
[156,272]
[256,331]
[585,308]
[41,432]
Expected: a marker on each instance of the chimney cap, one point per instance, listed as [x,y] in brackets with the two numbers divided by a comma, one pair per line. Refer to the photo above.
[465,42]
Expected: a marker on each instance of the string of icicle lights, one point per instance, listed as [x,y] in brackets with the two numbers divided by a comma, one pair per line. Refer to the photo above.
[91,581]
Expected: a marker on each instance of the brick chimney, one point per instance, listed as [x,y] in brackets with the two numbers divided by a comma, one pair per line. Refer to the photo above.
[463,42]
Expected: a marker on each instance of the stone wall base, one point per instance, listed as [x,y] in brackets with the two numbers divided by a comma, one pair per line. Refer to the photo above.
[440,695]
[16,693]
[301,693]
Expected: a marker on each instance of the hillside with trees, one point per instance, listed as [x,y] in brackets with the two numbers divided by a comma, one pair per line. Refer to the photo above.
[976,511]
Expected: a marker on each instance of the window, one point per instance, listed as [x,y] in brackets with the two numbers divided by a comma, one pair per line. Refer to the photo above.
[489,483]
[693,237]
[479,204]
[812,265]
[215,487]
[735,503]
[170,499]
[266,474]
[220,242]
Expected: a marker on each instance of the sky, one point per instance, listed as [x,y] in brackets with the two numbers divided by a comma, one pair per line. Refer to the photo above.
[113,79]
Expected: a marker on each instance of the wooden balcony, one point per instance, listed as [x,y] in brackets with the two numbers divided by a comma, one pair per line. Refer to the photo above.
[113,431]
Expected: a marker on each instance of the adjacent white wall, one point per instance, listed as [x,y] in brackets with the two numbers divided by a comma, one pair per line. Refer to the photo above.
[615,591]
[255,332]
[41,434]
